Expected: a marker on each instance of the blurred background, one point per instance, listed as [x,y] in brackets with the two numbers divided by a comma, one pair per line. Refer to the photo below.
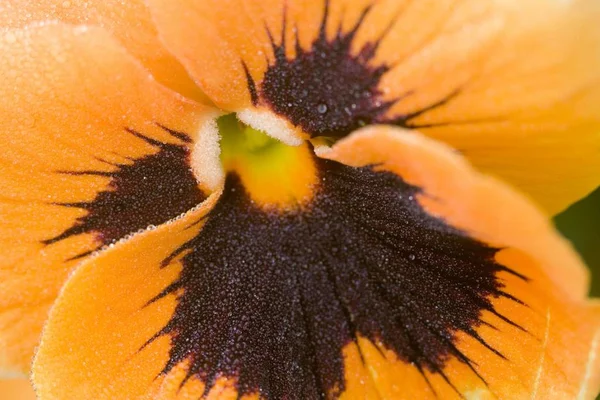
[581,225]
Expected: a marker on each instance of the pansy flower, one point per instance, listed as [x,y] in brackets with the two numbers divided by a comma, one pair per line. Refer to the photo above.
[294,199]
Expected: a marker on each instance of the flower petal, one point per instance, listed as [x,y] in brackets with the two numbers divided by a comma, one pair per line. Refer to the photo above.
[129,21]
[395,281]
[115,296]
[239,41]
[514,85]
[523,103]
[539,339]
[93,150]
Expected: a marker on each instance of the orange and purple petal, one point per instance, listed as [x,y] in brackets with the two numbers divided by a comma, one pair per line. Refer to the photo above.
[513,85]
[93,150]
[394,281]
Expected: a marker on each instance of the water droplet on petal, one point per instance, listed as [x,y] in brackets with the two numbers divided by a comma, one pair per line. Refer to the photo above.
[322,108]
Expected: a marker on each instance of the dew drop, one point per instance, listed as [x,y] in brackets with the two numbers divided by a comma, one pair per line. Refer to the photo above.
[322,108]
[412,257]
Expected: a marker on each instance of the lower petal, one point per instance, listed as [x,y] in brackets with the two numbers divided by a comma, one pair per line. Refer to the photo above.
[407,275]
[538,337]
[104,323]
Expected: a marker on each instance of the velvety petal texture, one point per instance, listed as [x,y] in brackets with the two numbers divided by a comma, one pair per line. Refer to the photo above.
[91,151]
[513,85]
[419,292]
[244,199]
[120,360]
[128,20]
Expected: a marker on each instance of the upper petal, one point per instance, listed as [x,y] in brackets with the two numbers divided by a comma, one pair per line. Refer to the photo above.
[407,275]
[92,149]
[514,85]
[129,21]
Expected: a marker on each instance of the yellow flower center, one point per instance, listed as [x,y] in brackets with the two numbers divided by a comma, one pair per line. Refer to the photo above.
[274,174]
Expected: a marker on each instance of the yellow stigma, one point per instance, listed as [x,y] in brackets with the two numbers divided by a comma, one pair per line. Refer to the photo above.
[274,174]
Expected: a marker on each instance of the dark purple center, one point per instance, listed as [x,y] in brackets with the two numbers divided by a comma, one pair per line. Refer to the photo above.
[328,90]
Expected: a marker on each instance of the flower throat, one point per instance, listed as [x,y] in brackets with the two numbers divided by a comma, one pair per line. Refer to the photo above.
[274,174]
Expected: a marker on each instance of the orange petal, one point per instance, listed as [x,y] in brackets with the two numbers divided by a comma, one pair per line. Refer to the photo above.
[210,37]
[521,82]
[83,163]
[97,343]
[540,338]
[129,21]
[514,85]
[239,40]
[16,389]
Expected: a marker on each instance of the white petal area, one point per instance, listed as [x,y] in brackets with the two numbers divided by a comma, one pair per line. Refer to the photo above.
[205,159]
[321,150]
[271,124]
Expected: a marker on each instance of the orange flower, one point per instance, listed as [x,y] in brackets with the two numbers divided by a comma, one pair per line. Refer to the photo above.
[263,199]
